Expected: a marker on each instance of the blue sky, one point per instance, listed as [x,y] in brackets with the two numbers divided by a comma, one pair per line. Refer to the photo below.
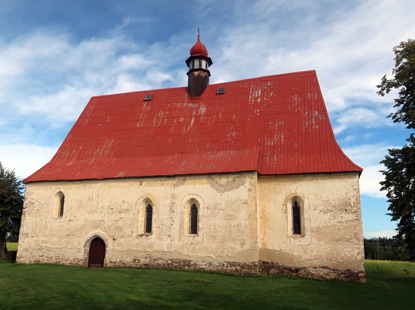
[55,55]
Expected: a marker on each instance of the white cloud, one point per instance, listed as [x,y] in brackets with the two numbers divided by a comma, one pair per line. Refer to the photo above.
[25,159]
[126,83]
[133,61]
[58,108]
[363,117]
[369,181]
[368,157]
[381,234]
[368,154]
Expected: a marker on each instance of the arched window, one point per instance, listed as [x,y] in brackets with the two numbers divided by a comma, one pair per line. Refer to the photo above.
[58,204]
[145,213]
[149,219]
[61,204]
[193,220]
[296,218]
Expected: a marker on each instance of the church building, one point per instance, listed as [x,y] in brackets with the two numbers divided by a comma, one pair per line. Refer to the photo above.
[242,177]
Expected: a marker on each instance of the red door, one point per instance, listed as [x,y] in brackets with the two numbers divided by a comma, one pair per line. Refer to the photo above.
[96,253]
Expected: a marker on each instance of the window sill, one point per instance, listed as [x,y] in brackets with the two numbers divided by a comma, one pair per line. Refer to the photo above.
[297,236]
[145,235]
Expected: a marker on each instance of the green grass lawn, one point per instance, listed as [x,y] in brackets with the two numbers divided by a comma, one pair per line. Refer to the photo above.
[64,287]
[391,268]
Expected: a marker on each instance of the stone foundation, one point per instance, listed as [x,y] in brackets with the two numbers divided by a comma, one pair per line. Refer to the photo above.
[246,268]
[52,260]
[321,273]
[183,264]
[253,268]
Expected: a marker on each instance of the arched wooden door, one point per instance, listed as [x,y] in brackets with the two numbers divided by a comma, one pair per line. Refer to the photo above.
[96,253]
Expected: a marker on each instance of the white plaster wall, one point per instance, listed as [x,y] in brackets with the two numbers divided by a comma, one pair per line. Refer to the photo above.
[332,227]
[245,223]
[113,210]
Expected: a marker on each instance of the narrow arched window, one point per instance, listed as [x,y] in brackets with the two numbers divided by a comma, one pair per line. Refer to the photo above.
[193,219]
[149,219]
[58,205]
[296,218]
[61,205]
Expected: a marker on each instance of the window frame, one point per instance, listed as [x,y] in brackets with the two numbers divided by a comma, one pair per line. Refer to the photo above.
[185,218]
[141,217]
[301,217]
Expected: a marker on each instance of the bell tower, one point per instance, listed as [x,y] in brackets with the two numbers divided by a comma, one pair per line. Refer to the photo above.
[198,74]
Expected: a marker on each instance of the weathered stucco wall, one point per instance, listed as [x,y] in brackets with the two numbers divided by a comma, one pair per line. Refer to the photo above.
[114,210]
[331,243]
[245,223]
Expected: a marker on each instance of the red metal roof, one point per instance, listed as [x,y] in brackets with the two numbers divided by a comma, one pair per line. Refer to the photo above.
[273,125]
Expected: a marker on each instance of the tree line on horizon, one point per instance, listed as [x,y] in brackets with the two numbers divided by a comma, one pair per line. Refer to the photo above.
[383,248]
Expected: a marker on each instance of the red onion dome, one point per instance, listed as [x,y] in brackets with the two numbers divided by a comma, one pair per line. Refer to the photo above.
[198,49]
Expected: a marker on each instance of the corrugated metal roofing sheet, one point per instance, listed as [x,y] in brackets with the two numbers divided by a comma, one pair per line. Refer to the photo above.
[274,125]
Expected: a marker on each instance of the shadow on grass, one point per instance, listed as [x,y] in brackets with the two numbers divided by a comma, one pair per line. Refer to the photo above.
[65,287]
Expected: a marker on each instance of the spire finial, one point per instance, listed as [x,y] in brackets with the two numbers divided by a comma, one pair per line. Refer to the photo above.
[198,34]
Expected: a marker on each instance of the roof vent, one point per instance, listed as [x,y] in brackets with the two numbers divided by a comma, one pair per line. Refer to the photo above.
[220,90]
[148,97]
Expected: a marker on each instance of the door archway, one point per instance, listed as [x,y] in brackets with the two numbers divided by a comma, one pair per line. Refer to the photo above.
[96,253]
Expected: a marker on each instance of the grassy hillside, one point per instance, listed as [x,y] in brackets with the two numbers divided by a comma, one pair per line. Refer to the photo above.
[63,287]
[391,268]
[11,246]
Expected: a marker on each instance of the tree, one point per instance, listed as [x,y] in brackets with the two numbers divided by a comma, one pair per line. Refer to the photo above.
[11,205]
[400,163]
[385,249]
